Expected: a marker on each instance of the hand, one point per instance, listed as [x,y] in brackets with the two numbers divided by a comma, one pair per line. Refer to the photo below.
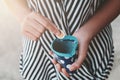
[35,24]
[84,39]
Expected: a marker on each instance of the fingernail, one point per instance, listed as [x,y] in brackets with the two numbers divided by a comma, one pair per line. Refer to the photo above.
[71,68]
[61,34]
[58,33]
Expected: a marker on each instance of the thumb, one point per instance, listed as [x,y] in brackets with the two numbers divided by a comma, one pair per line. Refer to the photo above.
[81,57]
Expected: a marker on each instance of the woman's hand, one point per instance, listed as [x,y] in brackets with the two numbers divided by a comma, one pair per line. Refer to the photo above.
[34,24]
[83,43]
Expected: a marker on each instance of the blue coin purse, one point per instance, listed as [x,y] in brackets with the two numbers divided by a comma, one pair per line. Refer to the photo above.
[65,50]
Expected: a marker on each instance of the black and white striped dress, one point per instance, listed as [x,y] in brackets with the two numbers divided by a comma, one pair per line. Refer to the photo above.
[69,16]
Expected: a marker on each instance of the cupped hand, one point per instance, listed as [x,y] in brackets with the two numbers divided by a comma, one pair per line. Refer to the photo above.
[83,43]
[84,37]
[34,24]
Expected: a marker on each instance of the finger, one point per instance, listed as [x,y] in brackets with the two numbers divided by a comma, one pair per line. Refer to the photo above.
[40,28]
[46,23]
[33,31]
[77,64]
[54,61]
[81,57]
[65,72]
[74,66]
[53,28]
[50,52]
[58,66]
[30,36]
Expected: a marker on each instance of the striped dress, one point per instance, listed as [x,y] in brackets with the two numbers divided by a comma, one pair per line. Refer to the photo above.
[69,16]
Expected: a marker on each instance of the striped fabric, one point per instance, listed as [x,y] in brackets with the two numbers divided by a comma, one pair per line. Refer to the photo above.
[69,16]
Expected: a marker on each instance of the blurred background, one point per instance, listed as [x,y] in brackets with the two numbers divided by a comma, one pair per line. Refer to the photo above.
[10,46]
